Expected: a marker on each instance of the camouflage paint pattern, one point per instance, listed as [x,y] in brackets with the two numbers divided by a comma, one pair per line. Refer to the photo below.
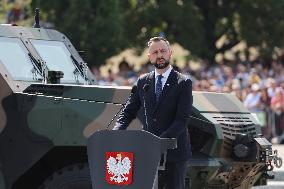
[36,117]
[214,102]
[2,182]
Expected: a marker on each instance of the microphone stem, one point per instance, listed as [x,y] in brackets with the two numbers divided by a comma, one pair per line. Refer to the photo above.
[123,105]
[145,113]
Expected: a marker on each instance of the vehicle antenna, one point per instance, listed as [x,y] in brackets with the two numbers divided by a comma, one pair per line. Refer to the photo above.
[36,24]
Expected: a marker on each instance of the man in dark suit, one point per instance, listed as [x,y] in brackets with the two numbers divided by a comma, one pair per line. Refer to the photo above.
[166,98]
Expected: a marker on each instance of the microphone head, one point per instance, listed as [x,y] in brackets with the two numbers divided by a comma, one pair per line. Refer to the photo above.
[146,87]
[134,89]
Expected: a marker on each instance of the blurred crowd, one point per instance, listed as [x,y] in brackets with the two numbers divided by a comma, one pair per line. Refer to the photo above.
[16,10]
[258,84]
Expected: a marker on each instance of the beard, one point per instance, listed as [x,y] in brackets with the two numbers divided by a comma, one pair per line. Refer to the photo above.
[161,65]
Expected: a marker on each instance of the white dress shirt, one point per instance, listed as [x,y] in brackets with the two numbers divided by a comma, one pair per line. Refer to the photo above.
[165,76]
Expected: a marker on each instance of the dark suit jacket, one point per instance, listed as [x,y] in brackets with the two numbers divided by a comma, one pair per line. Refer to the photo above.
[167,118]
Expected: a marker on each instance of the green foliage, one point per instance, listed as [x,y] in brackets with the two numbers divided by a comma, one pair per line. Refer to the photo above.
[198,24]
[96,27]
[195,24]
[103,28]
[262,24]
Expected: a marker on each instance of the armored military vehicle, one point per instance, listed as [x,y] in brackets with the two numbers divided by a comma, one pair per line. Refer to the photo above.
[50,105]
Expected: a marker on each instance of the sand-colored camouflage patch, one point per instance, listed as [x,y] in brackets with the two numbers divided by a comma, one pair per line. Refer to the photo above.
[101,122]
[215,102]
[201,102]
[121,94]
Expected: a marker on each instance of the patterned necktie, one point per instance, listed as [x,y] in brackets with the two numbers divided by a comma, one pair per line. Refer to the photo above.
[159,87]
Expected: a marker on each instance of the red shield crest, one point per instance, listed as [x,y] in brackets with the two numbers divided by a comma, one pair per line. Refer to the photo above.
[119,167]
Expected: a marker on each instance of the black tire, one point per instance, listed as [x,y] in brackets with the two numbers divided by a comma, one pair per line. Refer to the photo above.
[217,187]
[75,176]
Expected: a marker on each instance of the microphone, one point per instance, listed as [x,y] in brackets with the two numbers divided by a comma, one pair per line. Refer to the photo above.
[145,89]
[133,90]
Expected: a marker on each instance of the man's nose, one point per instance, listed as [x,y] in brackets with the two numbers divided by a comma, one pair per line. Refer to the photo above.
[160,54]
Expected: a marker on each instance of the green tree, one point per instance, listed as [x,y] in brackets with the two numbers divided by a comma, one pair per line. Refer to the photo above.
[262,25]
[105,27]
[198,24]
[195,24]
[96,27]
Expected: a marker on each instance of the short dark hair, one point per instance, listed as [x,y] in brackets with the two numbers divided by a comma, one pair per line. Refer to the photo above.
[156,39]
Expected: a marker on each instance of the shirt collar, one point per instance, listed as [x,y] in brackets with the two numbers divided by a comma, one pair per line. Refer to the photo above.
[166,74]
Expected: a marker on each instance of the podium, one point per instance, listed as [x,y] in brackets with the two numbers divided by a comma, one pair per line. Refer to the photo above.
[125,159]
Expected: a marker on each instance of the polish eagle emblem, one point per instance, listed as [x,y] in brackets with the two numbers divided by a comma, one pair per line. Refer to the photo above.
[119,168]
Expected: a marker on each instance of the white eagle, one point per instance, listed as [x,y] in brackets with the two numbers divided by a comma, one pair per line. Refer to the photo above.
[118,168]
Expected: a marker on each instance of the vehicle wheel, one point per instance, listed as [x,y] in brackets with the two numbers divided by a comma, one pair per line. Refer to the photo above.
[217,187]
[75,176]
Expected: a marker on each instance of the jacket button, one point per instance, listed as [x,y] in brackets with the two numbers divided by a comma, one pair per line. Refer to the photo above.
[154,119]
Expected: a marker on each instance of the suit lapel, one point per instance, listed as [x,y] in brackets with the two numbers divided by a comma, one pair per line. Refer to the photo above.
[171,81]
